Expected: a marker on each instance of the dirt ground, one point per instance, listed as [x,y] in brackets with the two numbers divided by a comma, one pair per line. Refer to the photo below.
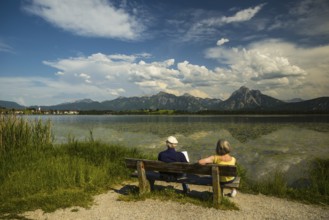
[107,206]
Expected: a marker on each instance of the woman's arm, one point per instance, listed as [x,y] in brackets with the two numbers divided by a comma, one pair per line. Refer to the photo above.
[206,160]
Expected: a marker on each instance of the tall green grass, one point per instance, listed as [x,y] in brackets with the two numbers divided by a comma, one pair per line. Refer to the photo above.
[35,173]
[20,135]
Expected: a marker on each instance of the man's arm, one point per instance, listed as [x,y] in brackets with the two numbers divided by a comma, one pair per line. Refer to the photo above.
[182,157]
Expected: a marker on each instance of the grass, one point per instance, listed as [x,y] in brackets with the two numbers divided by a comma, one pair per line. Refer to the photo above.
[313,190]
[35,173]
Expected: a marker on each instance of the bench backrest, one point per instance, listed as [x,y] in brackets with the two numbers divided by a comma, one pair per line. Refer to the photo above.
[178,167]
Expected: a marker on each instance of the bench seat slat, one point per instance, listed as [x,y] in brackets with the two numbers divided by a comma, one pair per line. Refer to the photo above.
[178,167]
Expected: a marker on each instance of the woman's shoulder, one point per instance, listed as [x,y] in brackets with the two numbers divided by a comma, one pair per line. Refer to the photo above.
[216,158]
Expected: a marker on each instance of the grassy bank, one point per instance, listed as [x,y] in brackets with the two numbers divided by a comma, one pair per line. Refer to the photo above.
[35,173]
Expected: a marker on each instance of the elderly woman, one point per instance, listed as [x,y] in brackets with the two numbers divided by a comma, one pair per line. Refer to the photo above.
[222,157]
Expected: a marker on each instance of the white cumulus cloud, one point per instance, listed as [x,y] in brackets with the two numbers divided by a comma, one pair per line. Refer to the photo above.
[277,68]
[95,18]
[130,74]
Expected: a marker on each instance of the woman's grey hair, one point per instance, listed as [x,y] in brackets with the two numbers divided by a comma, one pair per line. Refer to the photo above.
[223,147]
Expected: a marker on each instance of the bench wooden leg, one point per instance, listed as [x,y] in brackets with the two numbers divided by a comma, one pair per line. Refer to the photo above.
[144,186]
[151,182]
[217,192]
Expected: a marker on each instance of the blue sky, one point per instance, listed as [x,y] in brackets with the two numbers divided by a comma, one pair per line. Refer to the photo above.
[54,51]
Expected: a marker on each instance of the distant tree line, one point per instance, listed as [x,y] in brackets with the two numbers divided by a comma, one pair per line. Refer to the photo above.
[162,112]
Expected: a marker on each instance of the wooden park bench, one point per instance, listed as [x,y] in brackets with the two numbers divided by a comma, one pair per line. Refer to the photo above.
[208,175]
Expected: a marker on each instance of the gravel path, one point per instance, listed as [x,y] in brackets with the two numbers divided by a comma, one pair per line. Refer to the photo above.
[251,207]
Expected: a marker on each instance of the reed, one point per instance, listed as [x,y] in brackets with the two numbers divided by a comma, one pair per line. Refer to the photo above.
[18,134]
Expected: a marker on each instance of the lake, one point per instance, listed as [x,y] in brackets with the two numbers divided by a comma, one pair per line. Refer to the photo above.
[264,144]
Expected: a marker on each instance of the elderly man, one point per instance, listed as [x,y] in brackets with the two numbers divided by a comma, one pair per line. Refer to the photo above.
[171,155]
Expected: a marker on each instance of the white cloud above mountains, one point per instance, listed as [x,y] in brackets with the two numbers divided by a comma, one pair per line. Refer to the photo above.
[275,67]
[95,18]
[278,68]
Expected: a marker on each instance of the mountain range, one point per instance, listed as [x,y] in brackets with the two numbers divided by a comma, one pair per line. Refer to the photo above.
[242,99]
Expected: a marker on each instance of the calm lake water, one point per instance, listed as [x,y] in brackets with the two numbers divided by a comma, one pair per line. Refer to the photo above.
[262,144]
